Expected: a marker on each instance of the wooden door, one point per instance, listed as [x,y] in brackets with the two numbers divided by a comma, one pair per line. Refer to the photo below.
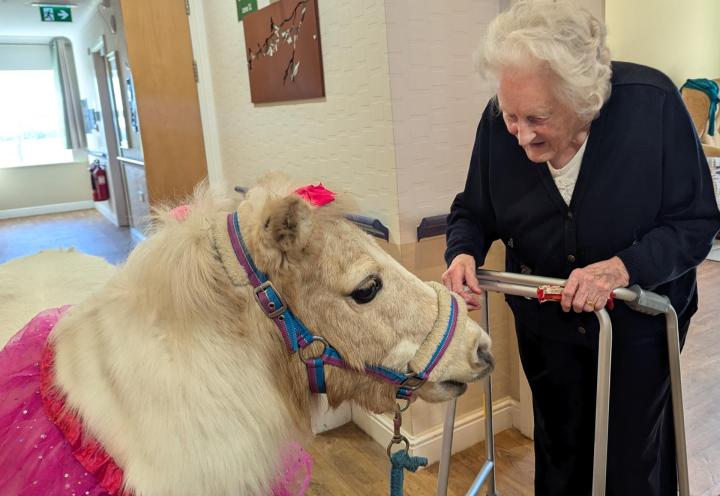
[160,54]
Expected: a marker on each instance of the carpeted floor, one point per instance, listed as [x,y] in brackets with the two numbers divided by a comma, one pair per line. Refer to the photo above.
[85,230]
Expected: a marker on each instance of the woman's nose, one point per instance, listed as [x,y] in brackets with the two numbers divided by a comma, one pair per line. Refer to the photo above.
[524,134]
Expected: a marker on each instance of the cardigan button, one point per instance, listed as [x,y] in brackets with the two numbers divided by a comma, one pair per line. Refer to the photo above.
[581,330]
[571,258]
[510,243]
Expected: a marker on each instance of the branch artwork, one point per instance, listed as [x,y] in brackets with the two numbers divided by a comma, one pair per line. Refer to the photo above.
[275,51]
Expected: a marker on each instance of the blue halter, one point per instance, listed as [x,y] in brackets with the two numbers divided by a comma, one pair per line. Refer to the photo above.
[297,336]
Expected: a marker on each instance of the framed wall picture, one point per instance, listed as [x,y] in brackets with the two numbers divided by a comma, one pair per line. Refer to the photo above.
[284,57]
[117,97]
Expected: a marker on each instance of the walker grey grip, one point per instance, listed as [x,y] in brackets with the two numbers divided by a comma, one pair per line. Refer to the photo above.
[648,302]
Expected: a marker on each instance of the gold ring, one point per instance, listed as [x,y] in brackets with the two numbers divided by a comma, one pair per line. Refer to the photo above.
[591,303]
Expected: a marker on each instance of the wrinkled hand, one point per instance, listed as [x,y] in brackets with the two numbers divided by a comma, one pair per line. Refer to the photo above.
[588,289]
[460,278]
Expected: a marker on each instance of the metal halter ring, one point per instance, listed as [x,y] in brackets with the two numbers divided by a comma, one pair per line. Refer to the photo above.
[302,351]
[407,401]
[412,382]
[398,440]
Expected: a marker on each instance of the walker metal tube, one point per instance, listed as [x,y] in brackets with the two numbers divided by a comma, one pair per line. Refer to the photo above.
[485,471]
[637,299]
[624,294]
[489,432]
[654,304]
[448,428]
[673,338]
[602,403]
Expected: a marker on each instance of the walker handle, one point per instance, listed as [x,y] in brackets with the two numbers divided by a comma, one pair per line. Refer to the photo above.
[551,292]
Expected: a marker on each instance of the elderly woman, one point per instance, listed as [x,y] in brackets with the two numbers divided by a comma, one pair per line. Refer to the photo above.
[588,170]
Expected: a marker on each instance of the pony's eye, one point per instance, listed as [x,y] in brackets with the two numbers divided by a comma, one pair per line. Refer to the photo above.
[367,290]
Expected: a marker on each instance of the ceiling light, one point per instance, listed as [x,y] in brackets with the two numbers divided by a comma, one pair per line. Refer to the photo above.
[47,4]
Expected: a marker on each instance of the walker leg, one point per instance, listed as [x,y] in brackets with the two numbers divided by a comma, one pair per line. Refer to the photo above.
[673,339]
[487,474]
[490,438]
[602,404]
[444,469]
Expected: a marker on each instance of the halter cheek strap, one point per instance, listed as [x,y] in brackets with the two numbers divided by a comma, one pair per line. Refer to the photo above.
[297,336]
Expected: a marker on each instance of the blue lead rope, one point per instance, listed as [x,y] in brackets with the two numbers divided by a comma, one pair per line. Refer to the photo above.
[402,461]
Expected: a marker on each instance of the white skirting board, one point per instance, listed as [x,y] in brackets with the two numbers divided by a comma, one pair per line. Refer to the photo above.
[323,418]
[137,235]
[469,429]
[46,209]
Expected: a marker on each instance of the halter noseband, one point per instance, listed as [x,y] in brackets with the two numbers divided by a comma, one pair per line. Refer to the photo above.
[297,336]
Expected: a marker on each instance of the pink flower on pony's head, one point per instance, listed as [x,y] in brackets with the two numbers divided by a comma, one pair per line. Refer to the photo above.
[181,212]
[316,194]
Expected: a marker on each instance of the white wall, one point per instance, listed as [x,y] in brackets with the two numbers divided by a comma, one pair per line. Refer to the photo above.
[33,57]
[344,139]
[33,186]
[437,100]
[681,39]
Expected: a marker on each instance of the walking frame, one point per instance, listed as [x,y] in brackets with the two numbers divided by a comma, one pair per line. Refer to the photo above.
[637,299]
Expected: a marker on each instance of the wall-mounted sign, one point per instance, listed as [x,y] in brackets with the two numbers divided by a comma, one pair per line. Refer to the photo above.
[244,7]
[282,46]
[55,14]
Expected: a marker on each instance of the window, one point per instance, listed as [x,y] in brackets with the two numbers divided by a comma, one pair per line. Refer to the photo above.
[31,119]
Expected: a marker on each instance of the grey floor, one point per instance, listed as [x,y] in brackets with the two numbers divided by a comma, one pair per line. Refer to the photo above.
[85,230]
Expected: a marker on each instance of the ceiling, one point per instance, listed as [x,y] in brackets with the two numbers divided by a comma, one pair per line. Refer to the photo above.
[20,20]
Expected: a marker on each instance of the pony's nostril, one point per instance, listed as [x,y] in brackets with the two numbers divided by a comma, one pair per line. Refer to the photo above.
[486,356]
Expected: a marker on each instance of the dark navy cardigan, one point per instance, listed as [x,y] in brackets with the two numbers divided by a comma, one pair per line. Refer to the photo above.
[644,193]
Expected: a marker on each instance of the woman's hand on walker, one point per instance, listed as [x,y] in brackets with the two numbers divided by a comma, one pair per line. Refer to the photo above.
[461,278]
[588,289]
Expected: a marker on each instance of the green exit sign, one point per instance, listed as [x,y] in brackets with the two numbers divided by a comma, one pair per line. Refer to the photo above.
[55,14]
[244,7]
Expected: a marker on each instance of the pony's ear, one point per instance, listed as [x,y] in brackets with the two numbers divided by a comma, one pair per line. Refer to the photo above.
[289,224]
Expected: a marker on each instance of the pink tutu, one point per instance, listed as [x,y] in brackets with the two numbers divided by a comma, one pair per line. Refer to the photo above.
[297,472]
[43,449]
[35,458]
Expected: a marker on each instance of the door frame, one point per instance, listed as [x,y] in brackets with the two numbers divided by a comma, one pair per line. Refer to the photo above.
[116,175]
[206,96]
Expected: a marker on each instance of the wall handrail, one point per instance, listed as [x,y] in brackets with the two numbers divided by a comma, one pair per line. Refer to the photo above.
[429,227]
[370,225]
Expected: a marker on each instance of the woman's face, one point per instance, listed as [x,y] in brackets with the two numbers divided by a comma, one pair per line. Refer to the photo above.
[545,127]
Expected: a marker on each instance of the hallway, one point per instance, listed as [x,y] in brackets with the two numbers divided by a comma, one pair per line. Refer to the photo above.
[85,230]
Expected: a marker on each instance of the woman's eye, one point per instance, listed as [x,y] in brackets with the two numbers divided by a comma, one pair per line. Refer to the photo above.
[367,290]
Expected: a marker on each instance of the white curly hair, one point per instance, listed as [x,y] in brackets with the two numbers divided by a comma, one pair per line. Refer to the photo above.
[560,35]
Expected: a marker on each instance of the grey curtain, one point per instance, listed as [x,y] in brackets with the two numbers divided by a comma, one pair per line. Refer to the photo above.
[66,80]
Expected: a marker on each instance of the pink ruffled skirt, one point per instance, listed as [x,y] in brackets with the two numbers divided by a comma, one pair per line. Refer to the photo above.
[37,458]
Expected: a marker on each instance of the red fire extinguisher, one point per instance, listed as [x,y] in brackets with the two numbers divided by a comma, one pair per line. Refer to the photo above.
[98,180]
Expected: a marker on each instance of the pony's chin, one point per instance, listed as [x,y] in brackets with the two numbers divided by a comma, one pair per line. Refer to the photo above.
[436,392]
